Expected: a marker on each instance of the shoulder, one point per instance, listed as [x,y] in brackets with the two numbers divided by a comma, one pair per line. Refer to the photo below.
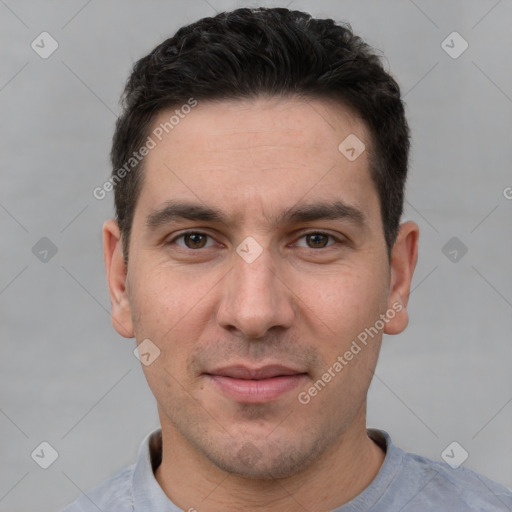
[413,483]
[453,488]
[112,495]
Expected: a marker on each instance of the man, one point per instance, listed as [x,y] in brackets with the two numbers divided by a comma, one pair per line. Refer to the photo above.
[257,257]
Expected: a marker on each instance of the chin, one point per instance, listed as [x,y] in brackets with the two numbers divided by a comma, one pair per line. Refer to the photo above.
[264,461]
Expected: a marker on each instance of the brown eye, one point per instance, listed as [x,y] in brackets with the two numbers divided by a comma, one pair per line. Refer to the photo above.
[192,240]
[317,240]
[195,240]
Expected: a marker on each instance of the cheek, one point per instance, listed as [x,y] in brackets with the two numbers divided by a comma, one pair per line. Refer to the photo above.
[172,316]
[343,303]
[165,294]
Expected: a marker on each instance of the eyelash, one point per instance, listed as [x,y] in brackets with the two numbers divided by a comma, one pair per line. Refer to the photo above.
[329,235]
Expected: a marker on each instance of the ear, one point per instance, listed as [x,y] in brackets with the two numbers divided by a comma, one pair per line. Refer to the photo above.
[404,256]
[116,270]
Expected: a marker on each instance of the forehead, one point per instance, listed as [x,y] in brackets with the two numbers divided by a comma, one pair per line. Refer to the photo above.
[258,156]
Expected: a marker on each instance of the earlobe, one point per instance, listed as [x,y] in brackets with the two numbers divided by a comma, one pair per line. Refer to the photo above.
[403,262]
[116,271]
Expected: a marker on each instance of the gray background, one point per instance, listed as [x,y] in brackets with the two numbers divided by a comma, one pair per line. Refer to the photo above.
[67,377]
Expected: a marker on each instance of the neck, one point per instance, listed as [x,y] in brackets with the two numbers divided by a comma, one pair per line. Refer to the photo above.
[344,471]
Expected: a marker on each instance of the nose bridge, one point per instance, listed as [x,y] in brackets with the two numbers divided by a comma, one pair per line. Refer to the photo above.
[254,298]
[254,280]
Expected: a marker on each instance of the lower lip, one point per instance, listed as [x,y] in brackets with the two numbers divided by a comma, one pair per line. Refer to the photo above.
[257,391]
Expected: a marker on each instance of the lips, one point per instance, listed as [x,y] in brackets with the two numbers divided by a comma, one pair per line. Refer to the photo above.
[245,373]
[256,385]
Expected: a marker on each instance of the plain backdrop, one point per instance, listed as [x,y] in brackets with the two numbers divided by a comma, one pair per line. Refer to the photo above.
[68,379]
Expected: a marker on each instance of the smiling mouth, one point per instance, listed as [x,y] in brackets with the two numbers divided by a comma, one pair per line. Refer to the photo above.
[256,385]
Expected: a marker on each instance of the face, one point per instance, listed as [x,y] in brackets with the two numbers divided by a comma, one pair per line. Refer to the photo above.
[257,258]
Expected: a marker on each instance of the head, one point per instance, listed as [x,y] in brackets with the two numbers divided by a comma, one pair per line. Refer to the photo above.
[248,235]
[248,53]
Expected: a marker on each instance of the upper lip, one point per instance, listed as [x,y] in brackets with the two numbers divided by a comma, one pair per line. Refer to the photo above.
[263,372]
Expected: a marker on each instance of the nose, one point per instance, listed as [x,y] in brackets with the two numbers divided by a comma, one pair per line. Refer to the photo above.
[255,297]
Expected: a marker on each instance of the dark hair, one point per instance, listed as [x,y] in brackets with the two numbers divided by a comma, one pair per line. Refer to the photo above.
[265,51]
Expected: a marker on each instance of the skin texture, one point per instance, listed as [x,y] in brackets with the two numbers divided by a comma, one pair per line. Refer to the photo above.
[300,303]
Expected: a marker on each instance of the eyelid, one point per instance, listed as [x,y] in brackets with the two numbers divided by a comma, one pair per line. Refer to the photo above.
[301,234]
[337,239]
[185,233]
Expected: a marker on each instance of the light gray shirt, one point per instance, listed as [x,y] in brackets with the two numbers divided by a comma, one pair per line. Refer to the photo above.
[405,483]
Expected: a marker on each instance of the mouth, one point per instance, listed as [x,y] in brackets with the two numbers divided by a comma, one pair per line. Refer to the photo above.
[256,385]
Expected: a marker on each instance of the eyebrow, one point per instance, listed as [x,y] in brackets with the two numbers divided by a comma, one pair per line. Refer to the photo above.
[173,211]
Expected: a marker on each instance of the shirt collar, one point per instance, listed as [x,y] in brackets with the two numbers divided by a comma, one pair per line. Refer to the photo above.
[146,491]
[148,495]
